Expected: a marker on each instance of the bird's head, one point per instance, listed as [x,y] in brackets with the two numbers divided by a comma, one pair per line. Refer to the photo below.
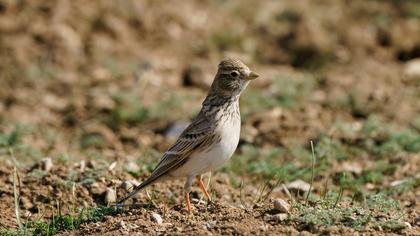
[232,78]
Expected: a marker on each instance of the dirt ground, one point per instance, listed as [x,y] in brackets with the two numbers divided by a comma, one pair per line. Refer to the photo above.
[102,88]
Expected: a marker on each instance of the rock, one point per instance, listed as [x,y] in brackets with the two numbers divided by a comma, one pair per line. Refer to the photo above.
[353,167]
[268,217]
[369,186]
[26,203]
[398,182]
[112,166]
[82,166]
[91,164]
[298,186]
[96,188]
[412,69]
[417,221]
[157,218]
[110,196]
[26,214]
[127,185]
[280,217]
[197,201]
[276,217]
[122,225]
[135,182]
[132,167]
[408,225]
[211,224]
[46,164]
[102,101]
[281,205]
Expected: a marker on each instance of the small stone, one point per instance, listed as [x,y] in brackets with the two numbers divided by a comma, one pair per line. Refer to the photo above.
[26,203]
[112,166]
[110,196]
[210,224]
[91,164]
[412,69]
[281,205]
[280,217]
[417,221]
[135,182]
[82,166]
[132,167]
[122,225]
[157,218]
[26,214]
[46,164]
[369,186]
[197,201]
[353,167]
[398,182]
[127,185]
[407,224]
[95,188]
[268,217]
[298,185]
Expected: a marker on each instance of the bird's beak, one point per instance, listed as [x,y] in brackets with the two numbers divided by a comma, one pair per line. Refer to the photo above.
[251,76]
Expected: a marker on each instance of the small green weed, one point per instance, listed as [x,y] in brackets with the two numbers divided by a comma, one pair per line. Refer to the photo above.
[62,223]
[378,210]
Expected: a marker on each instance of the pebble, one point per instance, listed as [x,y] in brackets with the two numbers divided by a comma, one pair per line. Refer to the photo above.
[407,224]
[26,203]
[298,185]
[412,68]
[122,225]
[82,166]
[398,182]
[157,218]
[110,196]
[112,166]
[46,164]
[417,221]
[135,182]
[127,185]
[132,167]
[281,205]
[280,217]
[197,201]
[91,164]
[26,214]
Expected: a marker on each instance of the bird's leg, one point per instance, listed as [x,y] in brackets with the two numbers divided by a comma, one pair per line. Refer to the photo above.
[203,187]
[187,199]
[187,190]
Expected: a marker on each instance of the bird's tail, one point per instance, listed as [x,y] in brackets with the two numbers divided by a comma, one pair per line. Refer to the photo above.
[133,192]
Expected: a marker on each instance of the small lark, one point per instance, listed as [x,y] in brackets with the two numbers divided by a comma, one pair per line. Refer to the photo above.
[213,135]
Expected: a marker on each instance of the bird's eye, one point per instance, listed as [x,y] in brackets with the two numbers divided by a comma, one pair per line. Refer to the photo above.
[234,74]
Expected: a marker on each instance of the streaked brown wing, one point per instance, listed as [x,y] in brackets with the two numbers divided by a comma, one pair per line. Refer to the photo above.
[197,136]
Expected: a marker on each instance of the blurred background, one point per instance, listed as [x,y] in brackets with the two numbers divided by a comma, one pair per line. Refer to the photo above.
[107,81]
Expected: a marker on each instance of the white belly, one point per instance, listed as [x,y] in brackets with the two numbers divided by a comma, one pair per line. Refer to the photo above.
[215,156]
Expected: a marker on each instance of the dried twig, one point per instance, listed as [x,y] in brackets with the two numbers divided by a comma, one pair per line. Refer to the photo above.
[312,174]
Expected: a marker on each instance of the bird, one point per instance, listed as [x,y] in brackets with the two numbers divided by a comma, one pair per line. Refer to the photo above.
[211,138]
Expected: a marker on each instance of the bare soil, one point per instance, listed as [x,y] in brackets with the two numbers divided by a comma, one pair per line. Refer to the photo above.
[91,83]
